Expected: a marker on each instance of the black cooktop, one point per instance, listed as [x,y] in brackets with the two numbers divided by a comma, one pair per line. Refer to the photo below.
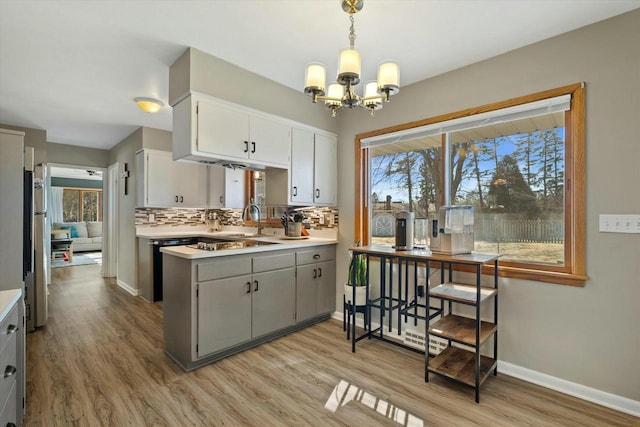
[220,245]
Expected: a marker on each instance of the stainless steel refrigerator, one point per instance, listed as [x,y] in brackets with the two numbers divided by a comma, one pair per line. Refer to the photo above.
[35,242]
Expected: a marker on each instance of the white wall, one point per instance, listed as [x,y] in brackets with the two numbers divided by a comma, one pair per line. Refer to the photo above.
[587,335]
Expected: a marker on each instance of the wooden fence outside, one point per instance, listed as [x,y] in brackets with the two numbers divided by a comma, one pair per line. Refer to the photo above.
[501,228]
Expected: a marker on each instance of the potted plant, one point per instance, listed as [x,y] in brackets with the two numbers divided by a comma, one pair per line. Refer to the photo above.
[357,275]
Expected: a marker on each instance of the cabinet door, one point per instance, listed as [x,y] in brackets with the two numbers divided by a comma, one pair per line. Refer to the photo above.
[222,130]
[274,301]
[326,287]
[301,172]
[306,292]
[160,179]
[216,187]
[192,185]
[325,170]
[270,141]
[224,313]
[226,187]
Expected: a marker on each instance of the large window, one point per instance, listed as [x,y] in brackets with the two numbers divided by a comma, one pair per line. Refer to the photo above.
[81,205]
[520,163]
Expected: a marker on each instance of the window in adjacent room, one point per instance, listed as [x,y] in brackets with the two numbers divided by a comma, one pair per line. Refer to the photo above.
[81,205]
[520,163]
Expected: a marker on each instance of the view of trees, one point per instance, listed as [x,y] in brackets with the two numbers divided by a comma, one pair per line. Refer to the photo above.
[81,205]
[522,173]
[515,183]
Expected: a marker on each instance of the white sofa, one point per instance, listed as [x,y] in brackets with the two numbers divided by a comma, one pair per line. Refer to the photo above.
[86,236]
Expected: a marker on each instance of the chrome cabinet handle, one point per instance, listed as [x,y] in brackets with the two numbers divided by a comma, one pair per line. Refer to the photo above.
[176,199]
[246,146]
[221,199]
[10,371]
[248,287]
[295,191]
[255,282]
[315,273]
[12,329]
[253,146]
[317,193]
[320,272]
[316,256]
[181,199]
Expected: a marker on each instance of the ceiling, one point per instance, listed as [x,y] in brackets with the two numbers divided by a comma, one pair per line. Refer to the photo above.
[73,68]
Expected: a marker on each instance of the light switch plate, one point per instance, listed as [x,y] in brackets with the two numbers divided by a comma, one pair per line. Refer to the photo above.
[619,223]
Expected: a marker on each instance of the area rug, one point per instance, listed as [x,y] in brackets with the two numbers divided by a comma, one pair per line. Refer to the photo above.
[79,259]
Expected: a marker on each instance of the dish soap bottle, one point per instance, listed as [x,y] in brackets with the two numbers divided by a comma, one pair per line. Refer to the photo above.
[216,222]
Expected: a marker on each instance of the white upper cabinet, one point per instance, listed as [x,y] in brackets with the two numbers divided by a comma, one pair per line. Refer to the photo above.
[301,172]
[312,177]
[163,183]
[215,131]
[325,170]
[226,187]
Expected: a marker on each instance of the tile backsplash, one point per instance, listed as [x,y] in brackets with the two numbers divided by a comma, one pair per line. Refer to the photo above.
[316,218]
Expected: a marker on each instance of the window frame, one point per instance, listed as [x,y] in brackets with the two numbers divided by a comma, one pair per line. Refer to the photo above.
[573,272]
[82,190]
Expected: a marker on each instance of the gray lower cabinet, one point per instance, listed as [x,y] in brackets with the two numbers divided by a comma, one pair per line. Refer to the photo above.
[315,282]
[12,363]
[218,306]
[273,301]
[225,304]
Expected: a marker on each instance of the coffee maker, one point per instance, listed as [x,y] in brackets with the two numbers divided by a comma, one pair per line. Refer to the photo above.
[404,231]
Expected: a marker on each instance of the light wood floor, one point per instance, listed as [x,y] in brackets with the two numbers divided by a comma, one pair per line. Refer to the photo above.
[100,361]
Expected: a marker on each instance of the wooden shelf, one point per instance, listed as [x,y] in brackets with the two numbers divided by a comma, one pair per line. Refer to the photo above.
[466,294]
[460,365]
[461,329]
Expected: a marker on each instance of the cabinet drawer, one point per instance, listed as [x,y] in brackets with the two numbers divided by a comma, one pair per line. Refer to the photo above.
[9,413]
[227,266]
[9,324]
[317,254]
[8,362]
[273,262]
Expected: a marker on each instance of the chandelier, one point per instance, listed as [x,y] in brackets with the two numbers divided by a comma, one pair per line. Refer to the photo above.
[342,94]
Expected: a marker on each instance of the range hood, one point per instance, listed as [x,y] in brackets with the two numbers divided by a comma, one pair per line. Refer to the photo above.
[226,163]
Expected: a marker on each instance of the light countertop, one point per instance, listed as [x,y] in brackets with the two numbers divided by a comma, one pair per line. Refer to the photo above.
[7,299]
[280,243]
[170,232]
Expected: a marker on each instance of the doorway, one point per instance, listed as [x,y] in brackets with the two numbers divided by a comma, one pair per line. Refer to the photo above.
[76,212]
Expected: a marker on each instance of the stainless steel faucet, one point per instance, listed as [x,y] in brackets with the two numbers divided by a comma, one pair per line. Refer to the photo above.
[250,208]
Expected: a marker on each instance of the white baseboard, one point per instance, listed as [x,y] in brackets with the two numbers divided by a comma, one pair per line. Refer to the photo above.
[613,401]
[127,288]
[609,400]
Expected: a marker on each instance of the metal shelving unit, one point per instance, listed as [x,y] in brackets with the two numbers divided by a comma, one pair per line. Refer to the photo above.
[461,360]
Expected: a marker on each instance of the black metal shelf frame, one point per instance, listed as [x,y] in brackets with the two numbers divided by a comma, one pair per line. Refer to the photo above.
[387,304]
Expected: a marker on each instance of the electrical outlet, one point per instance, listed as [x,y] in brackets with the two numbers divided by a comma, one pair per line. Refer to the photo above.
[321,220]
[152,217]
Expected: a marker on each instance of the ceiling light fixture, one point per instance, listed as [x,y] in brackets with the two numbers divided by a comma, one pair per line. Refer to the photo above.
[148,105]
[342,94]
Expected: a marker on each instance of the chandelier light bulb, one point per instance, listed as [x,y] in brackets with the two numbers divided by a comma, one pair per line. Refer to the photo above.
[315,78]
[350,66]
